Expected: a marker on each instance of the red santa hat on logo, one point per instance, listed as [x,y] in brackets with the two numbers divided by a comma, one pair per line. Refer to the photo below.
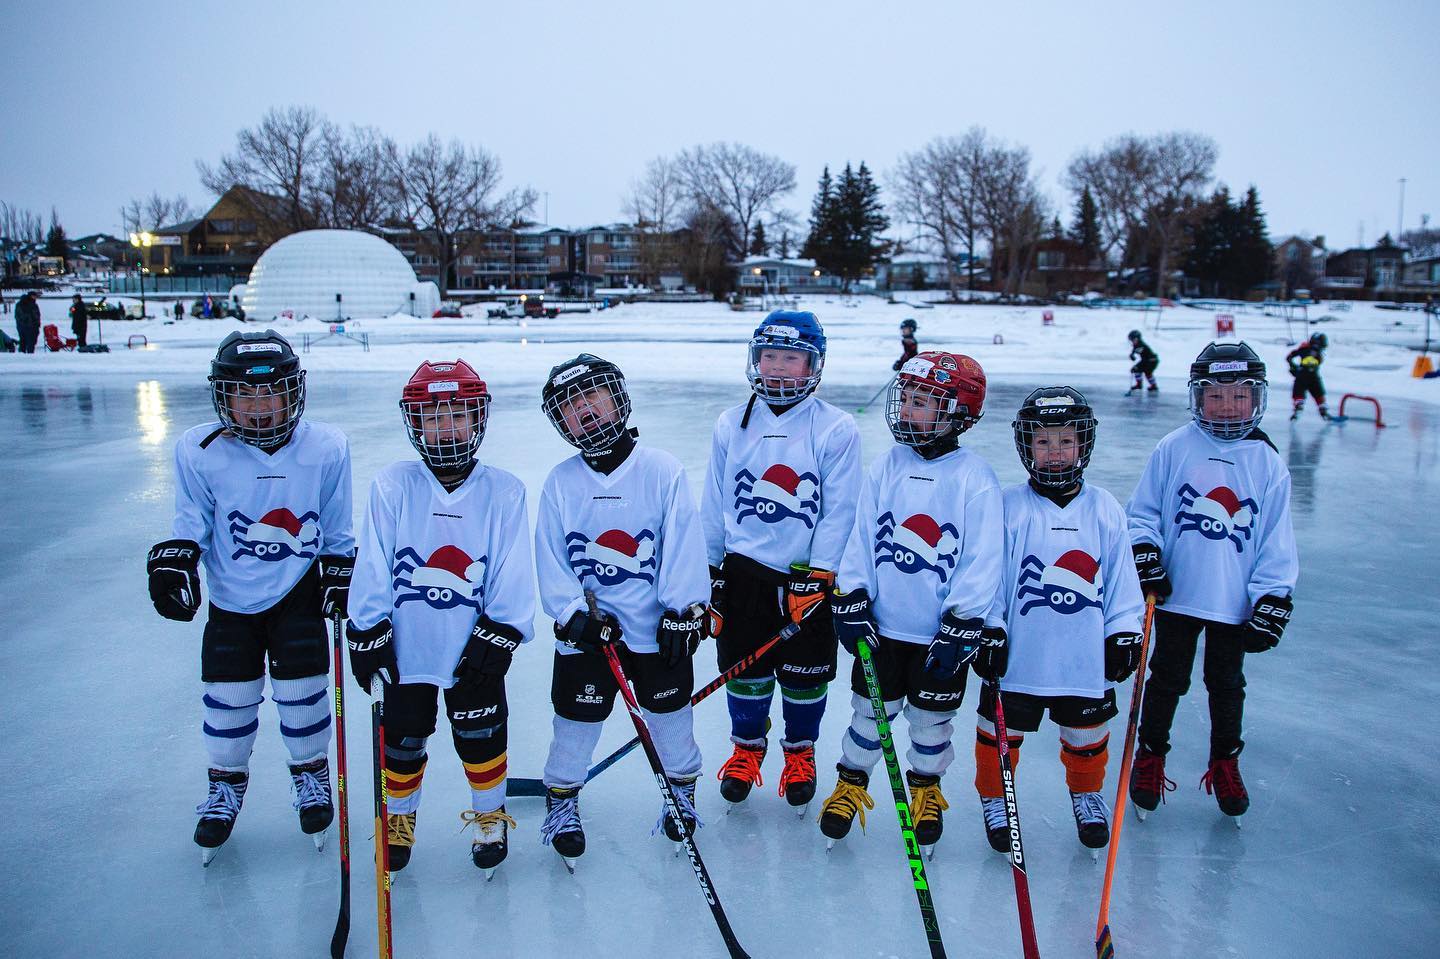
[1221,503]
[449,567]
[615,547]
[781,484]
[281,526]
[1076,571]
[922,535]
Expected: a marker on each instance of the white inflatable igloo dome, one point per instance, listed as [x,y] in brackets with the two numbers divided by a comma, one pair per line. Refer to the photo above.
[304,272]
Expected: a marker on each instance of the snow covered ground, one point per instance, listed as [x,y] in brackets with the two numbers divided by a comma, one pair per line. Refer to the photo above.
[1339,855]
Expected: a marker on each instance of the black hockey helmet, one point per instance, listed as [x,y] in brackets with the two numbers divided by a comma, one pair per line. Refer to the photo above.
[908,324]
[1050,408]
[586,420]
[258,388]
[1228,364]
[1319,341]
[1133,335]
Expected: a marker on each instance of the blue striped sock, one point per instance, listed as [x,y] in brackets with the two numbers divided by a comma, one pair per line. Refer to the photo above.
[232,712]
[304,711]
[749,702]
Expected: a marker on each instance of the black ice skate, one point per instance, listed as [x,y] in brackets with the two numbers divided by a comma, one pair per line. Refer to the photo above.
[562,830]
[399,839]
[997,824]
[741,773]
[850,799]
[1223,780]
[218,811]
[689,818]
[310,783]
[927,806]
[492,838]
[1148,783]
[797,780]
[1092,821]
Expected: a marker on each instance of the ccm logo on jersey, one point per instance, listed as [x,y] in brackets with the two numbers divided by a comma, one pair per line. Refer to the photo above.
[461,714]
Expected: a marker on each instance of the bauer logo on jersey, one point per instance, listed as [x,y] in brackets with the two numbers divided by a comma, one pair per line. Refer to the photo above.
[1219,514]
[613,557]
[1068,585]
[277,535]
[449,578]
[779,494]
[918,544]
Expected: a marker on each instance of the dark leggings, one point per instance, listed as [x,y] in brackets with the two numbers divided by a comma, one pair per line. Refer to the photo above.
[1172,661]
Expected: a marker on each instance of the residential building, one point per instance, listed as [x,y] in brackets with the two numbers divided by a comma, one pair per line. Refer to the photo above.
[768,274]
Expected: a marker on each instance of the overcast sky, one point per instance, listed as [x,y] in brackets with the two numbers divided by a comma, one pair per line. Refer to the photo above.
[1323,106]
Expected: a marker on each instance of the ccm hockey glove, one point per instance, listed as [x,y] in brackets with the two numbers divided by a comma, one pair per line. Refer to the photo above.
[717,601]
[993,658]
[1122,656]
[805,591]
[174,570]
[1267,623]
[853,619]
[1152,571]
[956,644]
[335,585]
[487,654]
[679,635]
[372,653]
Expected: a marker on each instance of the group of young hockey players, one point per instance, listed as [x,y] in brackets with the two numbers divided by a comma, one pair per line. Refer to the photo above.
[922,567]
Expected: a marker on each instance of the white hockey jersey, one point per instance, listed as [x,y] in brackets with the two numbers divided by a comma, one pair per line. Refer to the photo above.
[927,538]
[261,519]
[1220,513]
[432,562]
[1070,581]
[632,536]
[783,489]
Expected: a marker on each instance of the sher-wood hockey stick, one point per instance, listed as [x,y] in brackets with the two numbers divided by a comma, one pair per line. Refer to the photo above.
[1012,818]
[1104,943]
[382,816]
[342,921]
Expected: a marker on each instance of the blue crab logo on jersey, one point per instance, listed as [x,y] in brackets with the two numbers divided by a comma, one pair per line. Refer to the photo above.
[1068,585]
[613,557]
[449,578]
[277,535]
[779,494]
[919,543]
[1219,514]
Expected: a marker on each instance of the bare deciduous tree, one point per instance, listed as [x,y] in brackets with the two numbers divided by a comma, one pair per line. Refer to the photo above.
[936,190]
[19,225]
[352,189]
[280,157]
[1012,208]
[737,180]
[655,203]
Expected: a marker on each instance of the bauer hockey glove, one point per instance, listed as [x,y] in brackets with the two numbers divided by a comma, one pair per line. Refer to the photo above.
[717,602]
[1152,571]
[679,635]
[335,585]
[805,591]
[1122,656]
[372,653]
[587,632]
[174,570]
[853,619]
[993,657]
[487,654]
[956,644]
[1267,622]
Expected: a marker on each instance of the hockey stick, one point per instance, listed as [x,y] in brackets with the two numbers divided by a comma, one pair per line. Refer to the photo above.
[902,803]
[342,921]
[534,788]
[878,392]
[1012,817]
[1104,943]
[382,816]
[707,888]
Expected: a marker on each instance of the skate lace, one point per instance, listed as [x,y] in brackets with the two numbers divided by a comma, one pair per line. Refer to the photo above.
[400,829]
[487,825]
[222,802]
[848,800]
[1223,777]
[744,765]
[1090,807]
[563,816]
[994,811]
[926,802]
[799,768]
[685,799]
[1149,776]
[310,790]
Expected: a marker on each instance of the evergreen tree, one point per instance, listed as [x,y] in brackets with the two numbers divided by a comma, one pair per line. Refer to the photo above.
[822,218]
[782,248]
[1252,256]
[1086,228]
[846,220]
[759,246]
[55,241]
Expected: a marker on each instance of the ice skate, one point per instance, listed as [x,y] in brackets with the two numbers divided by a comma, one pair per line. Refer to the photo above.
[689,818]
[927,806]
[310,783]
[997,824]
[797,780]
[491,842]
[218,811]
[1148,783]
[1092,821]
[741,773]
[399,838]
[1223,781]
[850,799]
[562,830]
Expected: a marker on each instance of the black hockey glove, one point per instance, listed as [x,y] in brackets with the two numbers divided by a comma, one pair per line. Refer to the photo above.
[717,601]
[993,658]
[805,591]
[955,645]
[372,653]
[335,585]
[1122,656]
[1152,571]
[587,632]
[1271,616]
[679,634]
[174,570]
[853,620]
[487,654]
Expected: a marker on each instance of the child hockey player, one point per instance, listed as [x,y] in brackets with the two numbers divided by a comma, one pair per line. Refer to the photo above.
[783,478]
[263,497]
[1145,359]
[617,521]
[1210,528]
[920,572]
[443,596]
[1304,362]
[908,344]
[1071,605]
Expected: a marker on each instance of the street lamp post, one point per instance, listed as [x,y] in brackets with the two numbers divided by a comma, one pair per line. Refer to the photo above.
[141,241]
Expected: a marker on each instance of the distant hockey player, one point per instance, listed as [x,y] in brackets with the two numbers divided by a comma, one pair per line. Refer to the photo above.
[1304,362]
[616,520]
[1072,607]
[784,475]
[443,596]
[1145,359]
[264,498]
[909,347]
[920,573]
[1211,515]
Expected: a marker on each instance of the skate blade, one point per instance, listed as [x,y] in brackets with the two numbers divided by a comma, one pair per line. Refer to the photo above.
[929,852]
[1094,855]
[320,838]
[800,811]
[208,854]
[679,848]
[569,864]
[490,873]
[1237,820]
[1140,814]
[830,844]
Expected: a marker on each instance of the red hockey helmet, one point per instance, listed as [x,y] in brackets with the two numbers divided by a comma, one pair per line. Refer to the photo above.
[934,394]
[445,407]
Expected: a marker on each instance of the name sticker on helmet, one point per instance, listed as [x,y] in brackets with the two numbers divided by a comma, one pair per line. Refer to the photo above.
[919,366]
[570,374]
[1044,401]
[442,367]
[786,331]
[1230,366]
[444,386]
[259,348]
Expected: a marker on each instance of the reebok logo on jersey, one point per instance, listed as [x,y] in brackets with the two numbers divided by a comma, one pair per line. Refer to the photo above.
[1070,584]
[613,557]
[1218,515]
[449,578]
[276,536]
[779,494]
[919,544]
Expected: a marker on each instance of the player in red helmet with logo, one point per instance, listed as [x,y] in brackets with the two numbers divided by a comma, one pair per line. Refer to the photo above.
[618,521]
[1072,608]
[918,578]
[779,503]
[1210,528]
[263,497]
[442,598]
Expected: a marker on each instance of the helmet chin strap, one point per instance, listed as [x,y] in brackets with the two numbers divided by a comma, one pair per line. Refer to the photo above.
[608,460]
[940,445]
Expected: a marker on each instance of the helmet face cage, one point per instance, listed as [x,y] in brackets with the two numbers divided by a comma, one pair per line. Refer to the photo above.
[783,389]
[576,401]
[261,412]
[1027,424]
[949,414]
[1229,427]
[457,425]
